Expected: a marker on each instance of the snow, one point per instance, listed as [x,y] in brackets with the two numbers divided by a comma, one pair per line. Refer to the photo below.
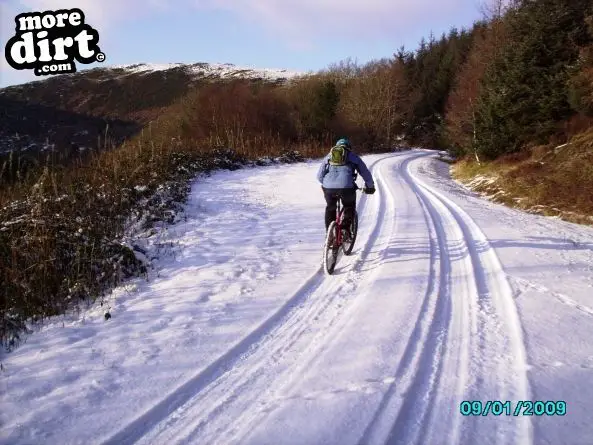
[238,336]
[212,69]
[142,67]
[481,180]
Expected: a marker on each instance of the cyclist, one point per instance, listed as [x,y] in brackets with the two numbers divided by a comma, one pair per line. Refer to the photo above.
[337,175]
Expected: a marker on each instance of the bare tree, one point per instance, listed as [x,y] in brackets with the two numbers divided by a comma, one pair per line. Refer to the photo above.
[494,9]
[460,121]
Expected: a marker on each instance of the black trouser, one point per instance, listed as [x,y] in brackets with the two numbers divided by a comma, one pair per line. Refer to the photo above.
[348,197]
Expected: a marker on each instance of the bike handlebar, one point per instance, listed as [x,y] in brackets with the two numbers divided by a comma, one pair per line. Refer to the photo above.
[363,189]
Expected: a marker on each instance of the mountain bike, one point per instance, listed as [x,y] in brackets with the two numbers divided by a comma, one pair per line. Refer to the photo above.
[334,238]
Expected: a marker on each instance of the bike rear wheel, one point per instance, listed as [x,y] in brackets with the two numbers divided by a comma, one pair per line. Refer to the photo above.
[330,249]
[347,246]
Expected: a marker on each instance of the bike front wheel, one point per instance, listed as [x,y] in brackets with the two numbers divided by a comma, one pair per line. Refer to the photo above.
[330,249]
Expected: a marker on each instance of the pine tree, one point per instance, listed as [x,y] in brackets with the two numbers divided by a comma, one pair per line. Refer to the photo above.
[524,91]
[580,85]
[430,74]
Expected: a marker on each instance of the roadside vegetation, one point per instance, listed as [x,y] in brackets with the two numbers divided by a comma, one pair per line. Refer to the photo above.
[547,180]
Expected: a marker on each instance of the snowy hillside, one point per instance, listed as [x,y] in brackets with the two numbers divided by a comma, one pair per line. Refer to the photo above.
[238,336]
[61,113]
[218,70]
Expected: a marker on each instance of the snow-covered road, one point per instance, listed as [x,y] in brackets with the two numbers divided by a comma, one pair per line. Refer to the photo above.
[241,338]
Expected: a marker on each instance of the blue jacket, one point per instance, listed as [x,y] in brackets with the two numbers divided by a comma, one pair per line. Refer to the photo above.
[343,176]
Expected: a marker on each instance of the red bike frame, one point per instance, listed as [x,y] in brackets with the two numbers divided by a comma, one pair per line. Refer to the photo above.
[339,216]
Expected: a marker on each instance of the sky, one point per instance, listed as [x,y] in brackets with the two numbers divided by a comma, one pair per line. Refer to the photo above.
[297,35]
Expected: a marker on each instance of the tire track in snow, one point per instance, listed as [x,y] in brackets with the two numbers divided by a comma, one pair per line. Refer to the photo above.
[385,223]
[334,292]
[136,429]
[407,407]
[236,406]
[234,370]
[327,330]
[386,409]
[466,344]
[498,357]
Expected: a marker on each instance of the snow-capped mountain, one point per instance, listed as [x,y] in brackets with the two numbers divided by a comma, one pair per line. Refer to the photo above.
[58,113]
[217,70]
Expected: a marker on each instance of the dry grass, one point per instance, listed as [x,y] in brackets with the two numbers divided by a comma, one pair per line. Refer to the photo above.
[554,181]
[60,232]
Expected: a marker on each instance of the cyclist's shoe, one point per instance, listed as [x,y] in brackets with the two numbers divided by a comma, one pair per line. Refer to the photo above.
[346,236]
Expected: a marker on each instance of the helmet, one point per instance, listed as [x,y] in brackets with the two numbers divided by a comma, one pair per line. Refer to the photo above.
[343,142]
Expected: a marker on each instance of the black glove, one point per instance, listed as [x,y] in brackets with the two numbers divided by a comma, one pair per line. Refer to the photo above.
[369,190]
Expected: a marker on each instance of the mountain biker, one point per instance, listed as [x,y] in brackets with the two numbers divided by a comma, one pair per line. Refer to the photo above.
[337,175]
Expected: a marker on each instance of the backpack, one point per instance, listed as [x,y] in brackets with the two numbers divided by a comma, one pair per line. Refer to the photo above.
[338,155]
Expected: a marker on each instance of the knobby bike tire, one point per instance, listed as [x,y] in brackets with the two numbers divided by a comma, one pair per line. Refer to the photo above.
[330,253]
